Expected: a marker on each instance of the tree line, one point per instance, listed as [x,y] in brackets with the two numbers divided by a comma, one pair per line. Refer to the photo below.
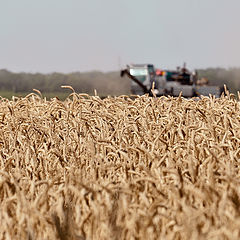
[105,83]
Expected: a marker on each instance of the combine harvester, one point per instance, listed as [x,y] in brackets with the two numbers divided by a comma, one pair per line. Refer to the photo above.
[146,79]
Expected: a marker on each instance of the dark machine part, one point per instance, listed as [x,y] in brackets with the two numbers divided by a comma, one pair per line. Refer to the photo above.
[182,75]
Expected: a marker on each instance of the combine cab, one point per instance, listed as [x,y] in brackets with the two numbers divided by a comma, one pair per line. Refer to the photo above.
[143,76]
[145,79]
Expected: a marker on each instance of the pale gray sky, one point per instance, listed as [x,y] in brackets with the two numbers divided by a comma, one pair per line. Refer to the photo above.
[82,35]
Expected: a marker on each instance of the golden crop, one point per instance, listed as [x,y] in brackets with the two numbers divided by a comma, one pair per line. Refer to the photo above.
[118,168]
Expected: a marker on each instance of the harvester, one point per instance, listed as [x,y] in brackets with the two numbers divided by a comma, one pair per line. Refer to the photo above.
[146,79]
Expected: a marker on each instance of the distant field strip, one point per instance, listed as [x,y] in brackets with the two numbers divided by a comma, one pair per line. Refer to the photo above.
[119,168]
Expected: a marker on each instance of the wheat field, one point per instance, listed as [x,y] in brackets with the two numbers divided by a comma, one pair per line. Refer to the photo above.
[119,168]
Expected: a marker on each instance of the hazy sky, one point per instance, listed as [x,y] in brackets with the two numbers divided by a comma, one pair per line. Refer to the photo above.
[82,35]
